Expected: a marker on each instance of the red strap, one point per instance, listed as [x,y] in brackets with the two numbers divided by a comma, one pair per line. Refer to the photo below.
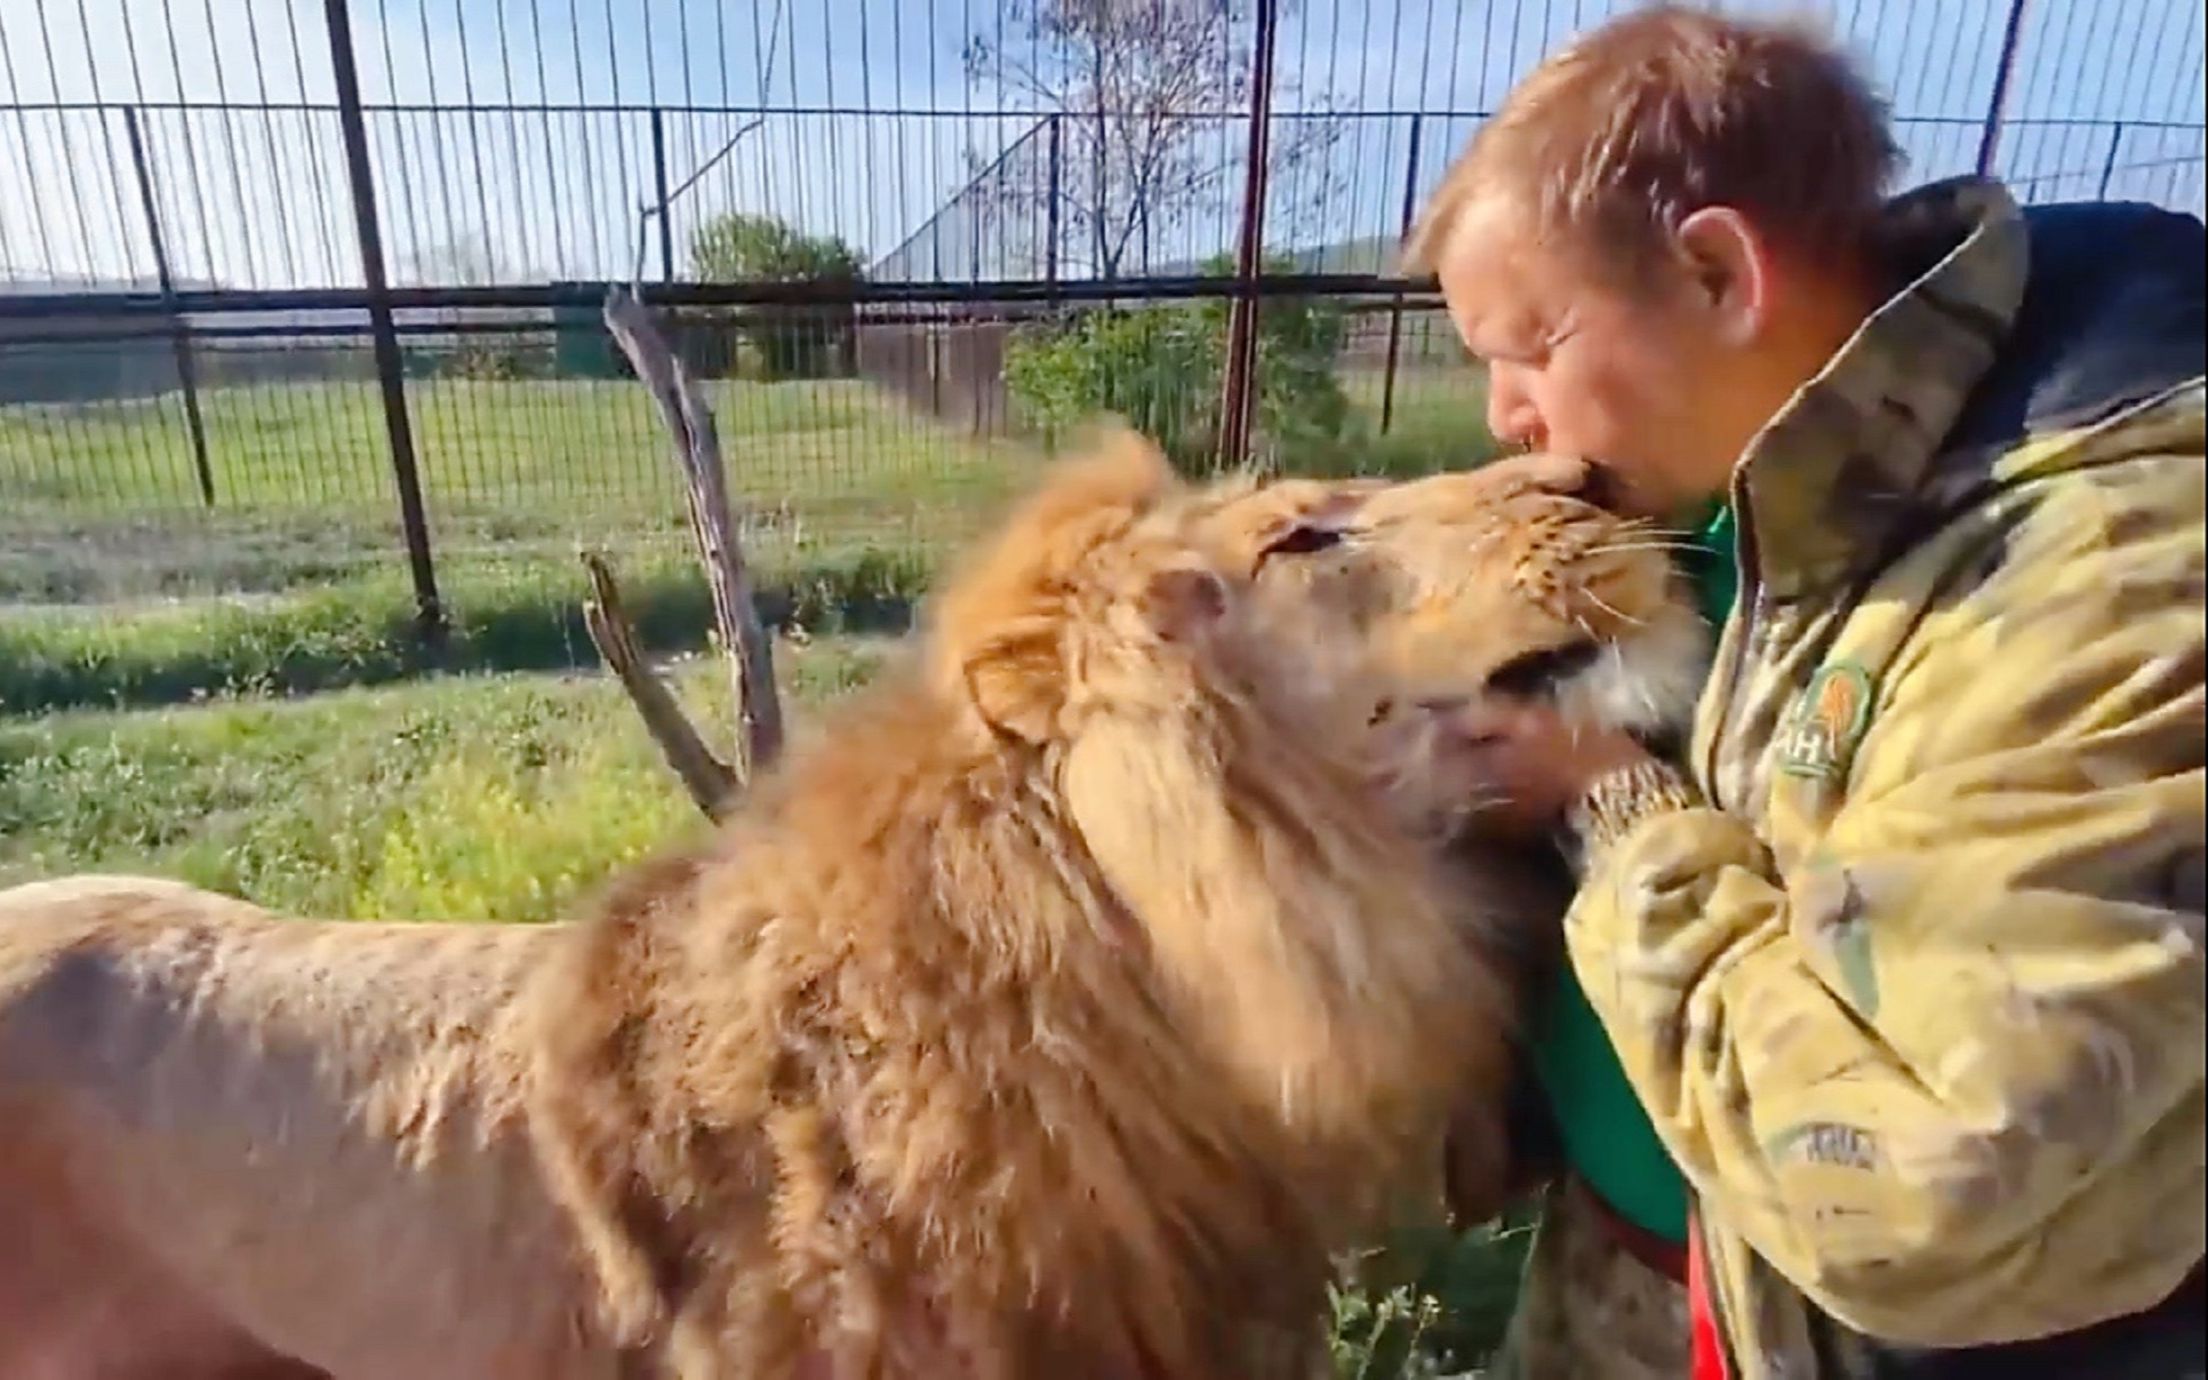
[1664,1257]
[1708,1351]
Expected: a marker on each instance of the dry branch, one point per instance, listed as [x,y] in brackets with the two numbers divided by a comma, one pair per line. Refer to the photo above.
[711,782]
[740,638]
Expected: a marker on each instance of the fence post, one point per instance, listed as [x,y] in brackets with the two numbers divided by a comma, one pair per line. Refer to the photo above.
[2108,168]
[1997,107]
[389,368]
[659,174]
[1234,410]
[187,367]
[1395,313]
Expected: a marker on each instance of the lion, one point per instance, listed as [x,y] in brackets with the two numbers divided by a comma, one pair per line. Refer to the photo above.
[1519,583]
[1090,979]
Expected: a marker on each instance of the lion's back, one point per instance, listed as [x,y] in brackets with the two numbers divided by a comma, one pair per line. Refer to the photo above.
[277,1100]
[95,955]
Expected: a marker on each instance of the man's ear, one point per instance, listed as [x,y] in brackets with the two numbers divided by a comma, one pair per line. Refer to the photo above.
[1731,269]
[1184,602]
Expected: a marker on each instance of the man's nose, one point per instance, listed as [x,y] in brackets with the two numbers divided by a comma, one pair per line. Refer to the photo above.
[1511,415]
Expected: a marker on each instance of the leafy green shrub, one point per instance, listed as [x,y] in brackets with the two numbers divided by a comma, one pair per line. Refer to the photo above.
[1163,369]
[784,342]
[1158,367]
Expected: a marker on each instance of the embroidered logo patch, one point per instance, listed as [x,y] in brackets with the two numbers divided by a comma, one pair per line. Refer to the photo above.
[1827,720]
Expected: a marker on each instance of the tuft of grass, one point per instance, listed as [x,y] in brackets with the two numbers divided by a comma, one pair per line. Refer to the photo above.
[1428,1302]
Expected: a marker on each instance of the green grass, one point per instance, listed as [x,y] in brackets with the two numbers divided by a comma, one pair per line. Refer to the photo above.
[1438,422]
[470,797]
[507,798]
[1435,1304]
[362,630]
[116,588]
[103,502]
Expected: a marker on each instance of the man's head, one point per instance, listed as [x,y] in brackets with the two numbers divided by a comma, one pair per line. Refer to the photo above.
[1665,231]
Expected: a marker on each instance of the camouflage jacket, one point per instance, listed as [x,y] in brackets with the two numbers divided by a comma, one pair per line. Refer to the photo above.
[1907,968]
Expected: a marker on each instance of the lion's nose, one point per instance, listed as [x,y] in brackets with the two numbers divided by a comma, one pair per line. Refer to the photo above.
[1597,486]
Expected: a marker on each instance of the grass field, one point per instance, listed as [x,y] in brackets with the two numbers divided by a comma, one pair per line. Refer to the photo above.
[117,586]
[505,798]
[467,797]
[362,630]
[102,501]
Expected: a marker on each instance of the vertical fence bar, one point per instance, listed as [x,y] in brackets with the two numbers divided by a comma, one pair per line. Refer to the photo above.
[1989,140]
[659,175]
[2108,167]
[1100,193]
[1234,410]
[389,368]
[187,365]
[1395,313]
[1050,211]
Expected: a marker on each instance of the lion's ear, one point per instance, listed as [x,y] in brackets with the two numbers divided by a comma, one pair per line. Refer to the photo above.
[1184,602]
[1017,685]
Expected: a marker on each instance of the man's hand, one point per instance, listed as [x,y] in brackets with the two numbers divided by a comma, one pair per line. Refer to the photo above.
[1534,764]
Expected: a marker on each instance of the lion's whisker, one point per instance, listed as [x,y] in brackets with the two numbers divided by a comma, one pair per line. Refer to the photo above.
[1651,544]
[1599,602]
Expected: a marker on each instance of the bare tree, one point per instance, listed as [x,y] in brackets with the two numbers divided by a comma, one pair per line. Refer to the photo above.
[714,783]
[1150,98]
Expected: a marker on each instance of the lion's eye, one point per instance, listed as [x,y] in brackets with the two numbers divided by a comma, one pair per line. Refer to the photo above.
[1302,541]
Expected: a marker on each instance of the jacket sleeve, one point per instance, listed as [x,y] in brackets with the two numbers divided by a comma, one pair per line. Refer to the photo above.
[1945,1074]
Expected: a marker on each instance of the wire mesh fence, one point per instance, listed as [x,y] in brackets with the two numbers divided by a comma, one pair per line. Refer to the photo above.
[270,268]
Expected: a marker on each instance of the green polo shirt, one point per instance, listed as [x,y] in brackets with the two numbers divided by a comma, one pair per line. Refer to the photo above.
[1607,1137]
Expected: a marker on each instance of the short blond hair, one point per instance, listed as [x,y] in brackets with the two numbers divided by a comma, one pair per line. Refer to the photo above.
[1642,121]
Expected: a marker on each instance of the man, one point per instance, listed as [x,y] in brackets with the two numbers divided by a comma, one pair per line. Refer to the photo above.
[1905,966]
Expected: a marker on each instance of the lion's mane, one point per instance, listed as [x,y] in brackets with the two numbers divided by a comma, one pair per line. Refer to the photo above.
[1053,1015]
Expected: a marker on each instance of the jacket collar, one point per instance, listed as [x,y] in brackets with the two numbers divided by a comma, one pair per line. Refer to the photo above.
[1826,482]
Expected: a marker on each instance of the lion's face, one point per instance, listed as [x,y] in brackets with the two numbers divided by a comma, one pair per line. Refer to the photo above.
[1453,589]
[1115,666]
[1436,596]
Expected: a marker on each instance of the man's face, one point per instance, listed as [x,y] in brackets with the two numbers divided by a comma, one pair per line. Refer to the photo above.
[1634,379]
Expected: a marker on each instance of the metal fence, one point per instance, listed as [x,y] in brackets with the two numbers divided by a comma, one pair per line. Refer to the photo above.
[290,289]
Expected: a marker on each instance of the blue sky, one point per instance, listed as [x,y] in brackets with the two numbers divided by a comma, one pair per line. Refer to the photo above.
[259,200]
